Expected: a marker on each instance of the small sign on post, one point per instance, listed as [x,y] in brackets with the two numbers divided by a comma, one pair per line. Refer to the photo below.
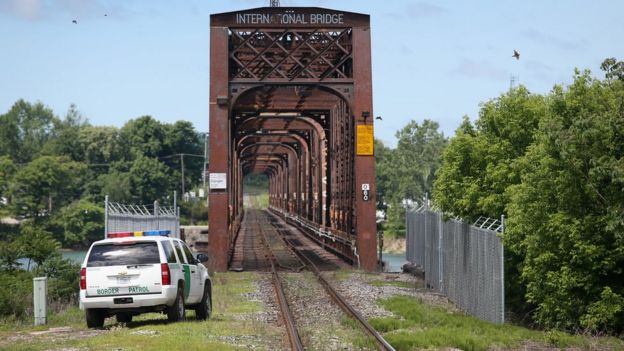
[40,300]
[218,181]
[366,192]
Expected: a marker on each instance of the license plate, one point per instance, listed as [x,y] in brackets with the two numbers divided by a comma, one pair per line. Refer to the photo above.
[123,280]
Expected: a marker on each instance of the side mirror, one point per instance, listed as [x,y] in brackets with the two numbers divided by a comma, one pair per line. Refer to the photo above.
[202,257]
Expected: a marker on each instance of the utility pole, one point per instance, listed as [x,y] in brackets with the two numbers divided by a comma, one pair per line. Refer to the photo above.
[512,82]
[205,159]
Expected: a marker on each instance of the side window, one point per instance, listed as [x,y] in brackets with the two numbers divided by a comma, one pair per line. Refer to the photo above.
[189,254]
[169,251]
[179,251]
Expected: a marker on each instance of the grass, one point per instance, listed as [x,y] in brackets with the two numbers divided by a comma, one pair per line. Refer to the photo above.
[419,326]
[257,200]
[399,284]
[229,328]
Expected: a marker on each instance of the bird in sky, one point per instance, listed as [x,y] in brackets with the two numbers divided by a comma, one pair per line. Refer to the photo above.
[516,55]
[379,118]
[74,22]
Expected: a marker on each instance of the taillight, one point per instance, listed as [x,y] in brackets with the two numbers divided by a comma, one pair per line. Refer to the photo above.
[164,273]
[83,279]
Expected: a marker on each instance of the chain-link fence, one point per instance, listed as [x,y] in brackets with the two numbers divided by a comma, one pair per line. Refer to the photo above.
[120,218]
[462,261]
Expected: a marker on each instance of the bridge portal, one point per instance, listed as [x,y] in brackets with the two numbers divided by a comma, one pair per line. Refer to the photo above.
[291,97]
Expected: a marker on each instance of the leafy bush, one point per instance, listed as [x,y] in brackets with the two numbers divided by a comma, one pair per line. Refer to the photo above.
[64,278]
[193,212]
[36,244]
[16,293]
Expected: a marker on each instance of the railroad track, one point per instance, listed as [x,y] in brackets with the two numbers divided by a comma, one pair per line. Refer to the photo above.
[280,252]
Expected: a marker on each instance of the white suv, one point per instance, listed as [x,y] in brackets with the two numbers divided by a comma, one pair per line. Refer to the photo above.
[137,272]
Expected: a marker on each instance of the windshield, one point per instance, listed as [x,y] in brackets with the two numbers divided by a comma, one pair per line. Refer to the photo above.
[126,254]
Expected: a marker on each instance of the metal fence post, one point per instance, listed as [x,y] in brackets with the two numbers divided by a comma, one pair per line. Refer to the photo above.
[440,255]
[178,223]
[40,300]
[156,214]
[502,272]
[105,216]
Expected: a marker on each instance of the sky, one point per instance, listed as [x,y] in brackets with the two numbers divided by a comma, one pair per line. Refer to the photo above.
[435,60]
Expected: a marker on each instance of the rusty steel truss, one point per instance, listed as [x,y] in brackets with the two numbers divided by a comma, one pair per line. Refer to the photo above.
[291,97]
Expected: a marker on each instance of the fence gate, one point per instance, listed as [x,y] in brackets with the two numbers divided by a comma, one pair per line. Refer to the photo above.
[133,218]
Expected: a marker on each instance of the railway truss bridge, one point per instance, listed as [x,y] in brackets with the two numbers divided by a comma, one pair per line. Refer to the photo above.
[291,97]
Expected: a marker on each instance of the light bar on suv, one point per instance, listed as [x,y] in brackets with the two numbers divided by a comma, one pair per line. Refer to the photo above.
[139,233]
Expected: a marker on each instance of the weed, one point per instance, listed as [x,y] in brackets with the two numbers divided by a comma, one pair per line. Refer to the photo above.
[418,326]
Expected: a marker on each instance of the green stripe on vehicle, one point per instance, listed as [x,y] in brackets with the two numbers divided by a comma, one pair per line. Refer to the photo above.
[187,280]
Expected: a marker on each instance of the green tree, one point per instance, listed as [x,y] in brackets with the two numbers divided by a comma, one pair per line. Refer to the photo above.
[181,138]
[7,171]
[46,184]
[81,223]
[25,129]
[10,253]
[613,69]
[566,216]
[101,145]
[64,139]
[479,162]
[143,136]
[150,180]
[383,174]
[116,184]
[36,244]
[406,173]
[417,157]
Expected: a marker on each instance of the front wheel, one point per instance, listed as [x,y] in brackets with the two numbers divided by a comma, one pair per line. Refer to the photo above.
[176,311]
[203,310]
[95,318]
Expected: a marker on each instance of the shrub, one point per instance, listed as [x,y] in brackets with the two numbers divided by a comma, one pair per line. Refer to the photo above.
[15,293]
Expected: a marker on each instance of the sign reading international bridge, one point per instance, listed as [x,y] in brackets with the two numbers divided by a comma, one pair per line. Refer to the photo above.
[282,17]
[289,18]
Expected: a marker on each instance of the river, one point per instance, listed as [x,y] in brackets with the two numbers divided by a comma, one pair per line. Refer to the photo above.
[394,261]
[75,256]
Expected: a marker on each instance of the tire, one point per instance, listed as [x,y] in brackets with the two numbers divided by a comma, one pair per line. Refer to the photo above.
[176,311]
[124,317]
[204,309]
[95,318]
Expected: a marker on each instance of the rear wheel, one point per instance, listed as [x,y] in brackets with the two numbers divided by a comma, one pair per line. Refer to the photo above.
[176,311]
[124,317]
[94,317]
[203,310]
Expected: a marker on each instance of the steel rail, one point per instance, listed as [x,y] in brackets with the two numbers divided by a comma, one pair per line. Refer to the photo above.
[289,320]
[383,344]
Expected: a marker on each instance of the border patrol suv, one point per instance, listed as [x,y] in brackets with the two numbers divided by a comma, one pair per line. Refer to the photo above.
[137,272]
